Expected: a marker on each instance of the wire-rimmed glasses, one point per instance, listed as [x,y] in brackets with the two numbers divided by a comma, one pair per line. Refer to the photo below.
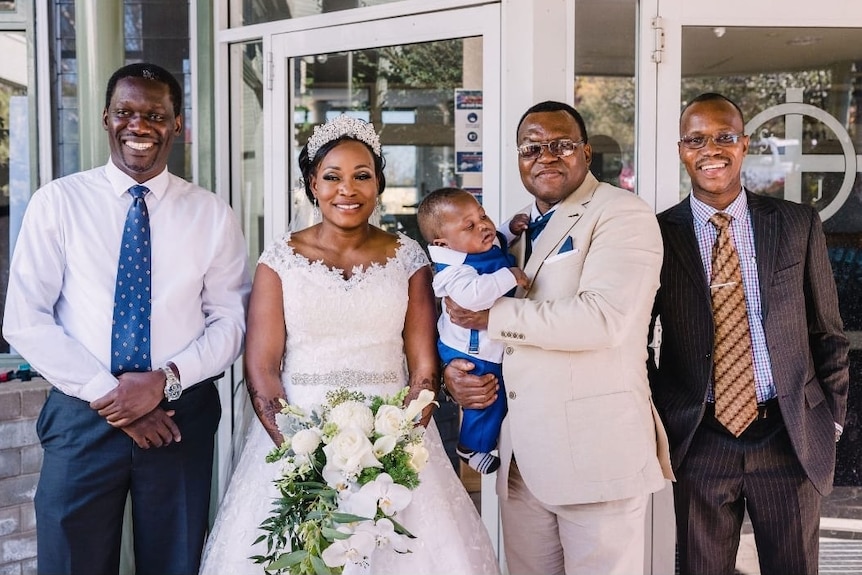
[561,148]
[723,140]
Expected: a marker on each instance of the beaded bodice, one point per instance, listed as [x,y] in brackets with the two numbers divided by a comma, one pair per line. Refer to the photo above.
[321,307]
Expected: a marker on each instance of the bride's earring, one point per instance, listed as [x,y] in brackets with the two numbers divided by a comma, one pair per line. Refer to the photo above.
[315,211]
[377,214]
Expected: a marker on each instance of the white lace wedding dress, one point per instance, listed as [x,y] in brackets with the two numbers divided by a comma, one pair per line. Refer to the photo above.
[342,331]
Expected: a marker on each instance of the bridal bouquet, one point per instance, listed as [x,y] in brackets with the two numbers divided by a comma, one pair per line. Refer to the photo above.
[347,469]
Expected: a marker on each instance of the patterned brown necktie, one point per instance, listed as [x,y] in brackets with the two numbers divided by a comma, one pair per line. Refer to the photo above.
[735,398]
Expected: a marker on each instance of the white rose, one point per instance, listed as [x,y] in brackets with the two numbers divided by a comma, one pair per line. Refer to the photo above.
[351,451]
[418,456]
[389,420]
[352,414]
[305,441]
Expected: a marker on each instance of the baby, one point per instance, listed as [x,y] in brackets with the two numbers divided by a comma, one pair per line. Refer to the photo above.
[473,268]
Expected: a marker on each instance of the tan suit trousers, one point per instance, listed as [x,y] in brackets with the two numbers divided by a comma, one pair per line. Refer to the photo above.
[604,538]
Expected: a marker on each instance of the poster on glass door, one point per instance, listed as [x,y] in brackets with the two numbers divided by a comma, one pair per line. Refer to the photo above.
[468,131]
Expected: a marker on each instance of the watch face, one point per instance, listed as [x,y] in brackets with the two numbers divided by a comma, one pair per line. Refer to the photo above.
[173,391]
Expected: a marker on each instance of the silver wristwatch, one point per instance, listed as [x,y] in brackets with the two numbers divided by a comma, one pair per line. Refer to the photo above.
[173,387]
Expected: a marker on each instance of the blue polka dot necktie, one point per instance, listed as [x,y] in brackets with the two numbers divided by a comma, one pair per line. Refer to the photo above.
[130,335]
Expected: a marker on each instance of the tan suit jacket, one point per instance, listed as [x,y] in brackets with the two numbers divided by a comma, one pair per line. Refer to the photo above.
[581,422]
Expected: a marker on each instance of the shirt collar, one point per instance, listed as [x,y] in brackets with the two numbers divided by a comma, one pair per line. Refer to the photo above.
[120,181]
[701,211]
[535,214]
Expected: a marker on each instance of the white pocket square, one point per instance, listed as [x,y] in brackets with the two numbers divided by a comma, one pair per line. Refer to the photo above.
[560,256]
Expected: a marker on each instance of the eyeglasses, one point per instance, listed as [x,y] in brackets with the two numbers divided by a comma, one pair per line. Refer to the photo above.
[561,148]
[721,140]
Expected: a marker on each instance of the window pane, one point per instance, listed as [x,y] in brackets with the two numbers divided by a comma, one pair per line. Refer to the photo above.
[246,71]
[245,12]
[409,93]
[605,86]
[14,152]
[149,37]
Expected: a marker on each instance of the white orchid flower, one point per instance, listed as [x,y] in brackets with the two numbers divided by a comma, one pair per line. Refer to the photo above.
[335,478]
[382,493]
[355,549]
[385,536]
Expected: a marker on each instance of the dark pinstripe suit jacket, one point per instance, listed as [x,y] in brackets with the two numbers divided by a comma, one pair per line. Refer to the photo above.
[804,332]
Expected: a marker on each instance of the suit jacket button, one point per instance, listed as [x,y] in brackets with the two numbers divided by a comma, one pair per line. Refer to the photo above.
[512,395]
[509,350]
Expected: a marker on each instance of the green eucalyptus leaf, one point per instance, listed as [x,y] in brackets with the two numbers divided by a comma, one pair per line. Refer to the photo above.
[288,560]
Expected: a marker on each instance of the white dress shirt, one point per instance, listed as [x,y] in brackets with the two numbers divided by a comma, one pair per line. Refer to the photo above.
[60,299]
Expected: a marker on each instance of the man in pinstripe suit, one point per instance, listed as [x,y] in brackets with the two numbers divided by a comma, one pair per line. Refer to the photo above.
[782,464]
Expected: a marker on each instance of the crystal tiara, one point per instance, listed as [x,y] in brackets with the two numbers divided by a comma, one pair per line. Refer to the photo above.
[343,125]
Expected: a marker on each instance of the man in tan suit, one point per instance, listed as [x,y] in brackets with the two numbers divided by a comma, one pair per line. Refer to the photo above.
[581,447]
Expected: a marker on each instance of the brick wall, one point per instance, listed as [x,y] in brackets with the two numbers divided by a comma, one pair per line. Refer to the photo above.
[20,462]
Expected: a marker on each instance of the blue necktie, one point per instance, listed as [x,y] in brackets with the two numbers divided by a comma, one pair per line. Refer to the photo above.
[130,335]
[535,228]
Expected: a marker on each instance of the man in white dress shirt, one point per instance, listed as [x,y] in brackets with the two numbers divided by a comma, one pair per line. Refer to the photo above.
[146,430]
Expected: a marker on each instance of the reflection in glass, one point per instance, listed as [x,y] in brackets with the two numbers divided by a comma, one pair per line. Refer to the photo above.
[14,152]
[247,197]
[246,12]
[408,93]
[799,151]
[605,86]
[246,67]
[149,37]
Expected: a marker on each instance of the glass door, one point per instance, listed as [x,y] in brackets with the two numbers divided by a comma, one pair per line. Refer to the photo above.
[431,86]
[797,75]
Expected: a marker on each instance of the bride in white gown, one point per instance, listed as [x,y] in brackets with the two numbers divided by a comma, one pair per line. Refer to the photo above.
[343,303]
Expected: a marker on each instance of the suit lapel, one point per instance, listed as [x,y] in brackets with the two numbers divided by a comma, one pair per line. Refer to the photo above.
[566,215]
[680,238]
[518,248]
[766,223]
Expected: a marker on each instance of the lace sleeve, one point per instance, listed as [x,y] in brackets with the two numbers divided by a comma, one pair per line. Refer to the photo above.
[411,255]
[276,253]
